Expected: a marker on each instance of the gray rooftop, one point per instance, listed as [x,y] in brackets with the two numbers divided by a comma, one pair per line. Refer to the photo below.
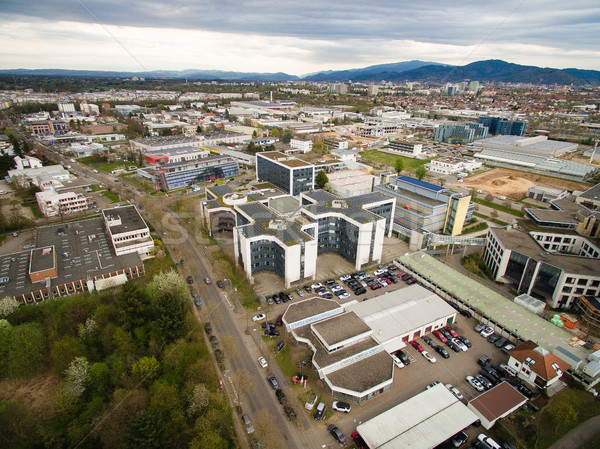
[42,259]
[131,220]
[592,193]
[364,374]
[502,310]
[289,233]
[220,190]
[301,310]
[340,328]
[83,250]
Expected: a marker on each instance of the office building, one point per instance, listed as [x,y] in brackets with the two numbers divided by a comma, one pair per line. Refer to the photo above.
[404,147]
[303,146]
[460,134]
[52,203]
[502,126]
[289,173]
[555,266]
[452,165]
[425,207]
[47,127]
[176,175]
[128,231]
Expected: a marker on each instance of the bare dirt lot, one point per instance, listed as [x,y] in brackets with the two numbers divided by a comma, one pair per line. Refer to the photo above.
[514,184]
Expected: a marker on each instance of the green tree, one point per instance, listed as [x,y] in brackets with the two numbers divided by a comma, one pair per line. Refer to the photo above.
[321,179]
[287,135]
[16,423]
[134,305]
[63,352]
[145,369]
[27,348]
[275,132]
[99,379]
[399,165]
[146,430]
[169,316]
[421,172]
[562,414]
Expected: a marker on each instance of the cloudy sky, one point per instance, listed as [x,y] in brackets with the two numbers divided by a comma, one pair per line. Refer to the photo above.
[296,37]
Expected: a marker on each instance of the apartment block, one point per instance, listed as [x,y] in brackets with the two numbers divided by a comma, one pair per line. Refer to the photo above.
[52,203]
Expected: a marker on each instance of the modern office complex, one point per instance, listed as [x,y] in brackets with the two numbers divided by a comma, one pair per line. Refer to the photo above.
[289,173]
[554,266]
[425,207]
[128,231]
[285,234]
[182,174]
[467,133]
[52,203]
[498,125]
[404,147]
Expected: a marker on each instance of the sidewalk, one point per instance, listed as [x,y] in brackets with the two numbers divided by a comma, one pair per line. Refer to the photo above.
[579,435]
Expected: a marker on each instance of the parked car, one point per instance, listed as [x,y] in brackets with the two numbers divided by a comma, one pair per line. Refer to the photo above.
[475,383]
[197,302]
[248,423]
[299,379]
[319,411]
[316,285]
[273,382]
[492,372]
[451,331]
[341,406]
[433,384]
[207,328]
[459,439]
[507,347]
[308,289]
[300,292]
[486,332]
[311,401]
[259,317]
[487,376]
[465,341]
[465,313]
[359,441]
[415,344]
[279,321]
[484,360]
[337,433]
[480,327]
[278,347]
[220,283]
[411,281]
[487,440]
[508,370]
[441,351]
[460,344]
[214,341]
[263,362]
[397,361]
[429,357]
[440,336]
[501,342]
[271,332]
[487,384]
[190,280]
[454,391]
[281,396]
[429,341]
[525,390]
[453,346]
[207,280]
[219,355]
[493,338]
[402,356]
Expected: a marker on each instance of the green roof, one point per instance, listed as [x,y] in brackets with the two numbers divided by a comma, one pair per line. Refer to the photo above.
[511,316]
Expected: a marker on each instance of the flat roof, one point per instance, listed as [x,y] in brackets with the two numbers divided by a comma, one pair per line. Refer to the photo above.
[522,242]
[284,159]
[423,184]
[83,250]
[131,220]
[365,374]
[421,422]
[498,401]
[503,311]
[314,306]
[592,193]
[42,259]
[400,311]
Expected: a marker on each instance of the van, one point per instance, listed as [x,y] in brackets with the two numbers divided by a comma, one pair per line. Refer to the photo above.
[249,427]
[320,411]
[487,440]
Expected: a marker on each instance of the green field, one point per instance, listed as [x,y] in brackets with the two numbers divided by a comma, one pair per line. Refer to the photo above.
[390,159]
[114,198]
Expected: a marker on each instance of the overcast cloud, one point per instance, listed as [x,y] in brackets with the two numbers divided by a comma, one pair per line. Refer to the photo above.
[294,37]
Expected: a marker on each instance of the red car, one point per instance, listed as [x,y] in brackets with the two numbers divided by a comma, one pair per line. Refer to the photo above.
[358,440]
[451,331]
[375,285]
[440,336]
[415,344]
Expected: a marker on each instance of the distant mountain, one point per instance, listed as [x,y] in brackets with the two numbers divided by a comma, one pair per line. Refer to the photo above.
[366,73]
[189,74]
[492,70]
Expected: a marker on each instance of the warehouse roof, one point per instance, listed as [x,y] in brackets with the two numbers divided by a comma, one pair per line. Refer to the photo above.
[421,422]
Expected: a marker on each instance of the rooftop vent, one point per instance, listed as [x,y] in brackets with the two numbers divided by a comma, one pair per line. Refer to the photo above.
[277,224]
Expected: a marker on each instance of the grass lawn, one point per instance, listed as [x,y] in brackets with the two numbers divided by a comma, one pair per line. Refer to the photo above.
[114,198]
[390,159]
[288,367]
[95,188]
[477,227]
[499,207]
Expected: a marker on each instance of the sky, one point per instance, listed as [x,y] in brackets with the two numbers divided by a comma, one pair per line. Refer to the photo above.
[295,37]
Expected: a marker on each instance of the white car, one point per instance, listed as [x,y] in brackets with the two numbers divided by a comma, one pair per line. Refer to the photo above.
[454,391]
[341,406]
[475,383]
[485,333]
[428,356]
[300,292]
[345,277]
[397,362]
[487,440]
[379,272]
[336,288]
[344,295]
[259,317]
[316,285]
[460,344]
[263,362]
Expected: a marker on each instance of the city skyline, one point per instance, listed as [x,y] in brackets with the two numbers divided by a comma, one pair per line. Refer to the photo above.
[296,39]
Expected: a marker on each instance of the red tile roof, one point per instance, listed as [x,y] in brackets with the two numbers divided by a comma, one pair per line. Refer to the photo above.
[542,358]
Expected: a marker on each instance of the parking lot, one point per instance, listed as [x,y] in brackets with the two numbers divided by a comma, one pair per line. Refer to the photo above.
[411,379]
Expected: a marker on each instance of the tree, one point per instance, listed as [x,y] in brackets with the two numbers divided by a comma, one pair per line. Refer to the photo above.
[321,179]
[562,413]
[8,305]
[64,351]
[27,348]
[146,430]
[275,132]
[399,165]
[99,378]
[421,172]
[169,316]
[287,135]
[199,400]
[145,369]
[78,376]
